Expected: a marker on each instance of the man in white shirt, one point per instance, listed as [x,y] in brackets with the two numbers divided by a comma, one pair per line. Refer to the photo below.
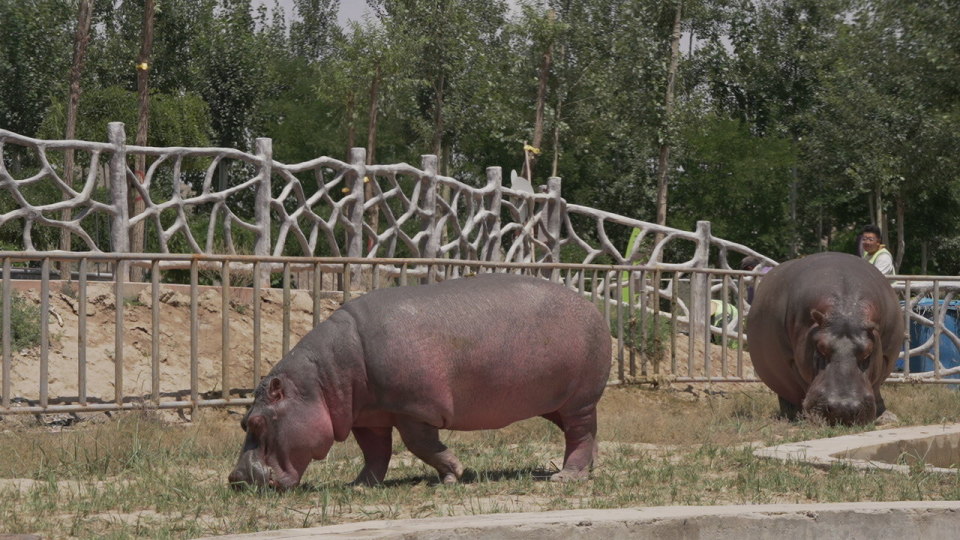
[875,252]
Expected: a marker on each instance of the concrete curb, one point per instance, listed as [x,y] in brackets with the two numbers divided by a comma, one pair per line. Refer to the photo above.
[910,519]
[848,448]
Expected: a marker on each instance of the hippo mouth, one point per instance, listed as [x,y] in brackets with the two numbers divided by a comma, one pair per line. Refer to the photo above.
[842,412]
[253,472]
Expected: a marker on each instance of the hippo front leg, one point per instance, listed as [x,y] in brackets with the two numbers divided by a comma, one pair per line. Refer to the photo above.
[788,410]
[376,445]
[424,441]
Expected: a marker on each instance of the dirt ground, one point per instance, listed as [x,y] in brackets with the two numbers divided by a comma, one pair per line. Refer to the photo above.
[174,341]
[175,344]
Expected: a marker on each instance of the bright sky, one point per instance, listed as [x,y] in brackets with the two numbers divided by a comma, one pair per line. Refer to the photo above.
[350,10]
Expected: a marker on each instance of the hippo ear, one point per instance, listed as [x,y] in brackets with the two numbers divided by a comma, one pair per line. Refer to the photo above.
[275,390]
[818,317]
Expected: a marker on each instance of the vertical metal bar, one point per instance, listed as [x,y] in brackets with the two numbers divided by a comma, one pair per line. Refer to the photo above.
[194,335]
[691,318]
[635,317]
[119,275]
[581,279]
[82,334]
[741,324]
[937,329]
[641,318]
[618,291]
[44,330]
[286,308]
[155,329]
[346,283]
[403,275]
[593,288]
[655,307]
[225,328]
[376,277]
[724,339]
[257,339]
[317,286]
[606,296]
[7,331]
[674,313]
[707,359]
[905,340]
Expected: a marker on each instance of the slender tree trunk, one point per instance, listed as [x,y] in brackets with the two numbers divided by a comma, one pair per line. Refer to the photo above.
[373,218]
[81,38]
[556,137]
[879,217]
[143,124]
[794,235]
[901,241]
[543,78]
[438,120]
[351,124]
[663,162]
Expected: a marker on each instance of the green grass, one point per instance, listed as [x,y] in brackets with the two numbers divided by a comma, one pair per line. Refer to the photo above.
[147,475]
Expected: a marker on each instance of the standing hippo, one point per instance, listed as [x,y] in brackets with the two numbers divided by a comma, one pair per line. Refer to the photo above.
[466,354]
[824,332]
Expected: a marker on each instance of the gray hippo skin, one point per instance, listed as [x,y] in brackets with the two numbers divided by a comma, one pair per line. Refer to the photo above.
[824,333]
[473,353]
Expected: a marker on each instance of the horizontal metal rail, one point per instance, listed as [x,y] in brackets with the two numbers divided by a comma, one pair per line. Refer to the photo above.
[207,341]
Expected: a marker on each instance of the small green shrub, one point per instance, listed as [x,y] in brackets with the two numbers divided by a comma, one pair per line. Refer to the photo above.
[24,322]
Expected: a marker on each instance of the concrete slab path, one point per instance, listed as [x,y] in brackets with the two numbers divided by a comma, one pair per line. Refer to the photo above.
[930,520]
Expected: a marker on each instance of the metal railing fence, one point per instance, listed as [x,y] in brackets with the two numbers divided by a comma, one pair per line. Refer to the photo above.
[118,345]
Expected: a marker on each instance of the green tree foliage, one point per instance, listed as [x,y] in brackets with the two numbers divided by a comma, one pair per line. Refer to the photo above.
[796,121]
[735,180]
[35,51]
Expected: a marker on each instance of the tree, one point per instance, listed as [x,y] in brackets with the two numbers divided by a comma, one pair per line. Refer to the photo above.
[143,126]
[663,161]
[81,39]
[312,31]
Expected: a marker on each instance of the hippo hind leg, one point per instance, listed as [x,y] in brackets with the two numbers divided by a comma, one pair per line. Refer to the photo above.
[376,445]
[424,441]
[580,433]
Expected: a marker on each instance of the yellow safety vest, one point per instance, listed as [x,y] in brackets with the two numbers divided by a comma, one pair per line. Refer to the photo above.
[873,258]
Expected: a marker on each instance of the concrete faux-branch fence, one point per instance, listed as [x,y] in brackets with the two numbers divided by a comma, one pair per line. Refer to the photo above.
[371,226]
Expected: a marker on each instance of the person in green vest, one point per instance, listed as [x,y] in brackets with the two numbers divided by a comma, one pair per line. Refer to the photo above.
[875,252]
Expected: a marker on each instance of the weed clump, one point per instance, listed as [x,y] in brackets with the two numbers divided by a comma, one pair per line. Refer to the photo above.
[24,322]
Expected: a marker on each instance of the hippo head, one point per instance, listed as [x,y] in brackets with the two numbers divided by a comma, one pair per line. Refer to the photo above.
[843,359]
[286,429]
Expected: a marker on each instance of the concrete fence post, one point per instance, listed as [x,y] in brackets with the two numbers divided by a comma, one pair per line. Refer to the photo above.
[430,244]
[358,160]
[119,231]
[700,287]
[491,250]
[264,149]
[554,217]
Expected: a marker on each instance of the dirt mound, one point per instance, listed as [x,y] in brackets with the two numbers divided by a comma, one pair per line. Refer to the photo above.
[174,341]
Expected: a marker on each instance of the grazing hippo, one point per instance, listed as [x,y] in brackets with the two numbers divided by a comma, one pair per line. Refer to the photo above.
[824,332]
[473,353]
